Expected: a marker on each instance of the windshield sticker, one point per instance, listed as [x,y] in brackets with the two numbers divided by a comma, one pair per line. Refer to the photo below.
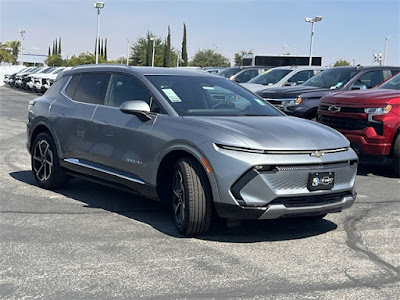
[171,95]
[259,101]
[267,71]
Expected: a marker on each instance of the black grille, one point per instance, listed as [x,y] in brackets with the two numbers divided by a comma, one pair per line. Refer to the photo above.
[303,201]
[344,123]
[274,101]
[344,109]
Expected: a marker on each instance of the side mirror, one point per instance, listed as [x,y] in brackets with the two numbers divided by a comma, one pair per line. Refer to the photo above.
[138,108]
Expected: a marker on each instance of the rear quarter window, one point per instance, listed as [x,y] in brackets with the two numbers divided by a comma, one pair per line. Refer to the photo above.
[89,88]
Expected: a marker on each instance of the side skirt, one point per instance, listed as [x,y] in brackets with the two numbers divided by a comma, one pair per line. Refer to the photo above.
[113,178]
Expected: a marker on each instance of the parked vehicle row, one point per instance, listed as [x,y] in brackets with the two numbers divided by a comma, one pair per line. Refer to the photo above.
[37,79]
[303,101]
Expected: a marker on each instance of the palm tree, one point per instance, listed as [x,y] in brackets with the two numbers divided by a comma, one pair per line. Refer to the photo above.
[14,46]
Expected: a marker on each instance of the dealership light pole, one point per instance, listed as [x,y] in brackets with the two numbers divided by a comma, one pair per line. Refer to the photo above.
[98,5]
[154,49]
[312,21]
[127,53]
[384,52]
[22,32]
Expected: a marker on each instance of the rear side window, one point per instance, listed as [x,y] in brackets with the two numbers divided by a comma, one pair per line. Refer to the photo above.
[302,76]
[71,88]
[89,88]
[370,79]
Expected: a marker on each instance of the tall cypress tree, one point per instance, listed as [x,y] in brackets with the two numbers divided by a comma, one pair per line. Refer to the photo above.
[59,45]
[168,56]
[165,54]
[105,50]
[184,50]
[53,52]
[49,52]
[55,48]
[102,48]
[98,47]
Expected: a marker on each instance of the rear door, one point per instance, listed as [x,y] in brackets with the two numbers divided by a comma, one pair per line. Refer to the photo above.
[73,114]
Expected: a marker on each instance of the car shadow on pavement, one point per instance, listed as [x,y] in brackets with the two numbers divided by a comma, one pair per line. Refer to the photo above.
[376,167]
[129,205]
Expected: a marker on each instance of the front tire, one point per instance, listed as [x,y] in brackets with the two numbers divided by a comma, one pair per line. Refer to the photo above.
[191,197]
[45,163]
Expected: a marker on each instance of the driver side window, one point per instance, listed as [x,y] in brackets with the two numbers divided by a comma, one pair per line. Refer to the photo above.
[124,88]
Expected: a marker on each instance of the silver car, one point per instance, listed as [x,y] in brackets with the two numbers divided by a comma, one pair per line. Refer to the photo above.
[197,141]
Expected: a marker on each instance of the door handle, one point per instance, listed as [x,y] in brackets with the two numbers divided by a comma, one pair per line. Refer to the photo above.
[100,122]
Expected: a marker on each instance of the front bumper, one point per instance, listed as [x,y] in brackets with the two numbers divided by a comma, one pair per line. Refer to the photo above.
[275,211]
[270,186]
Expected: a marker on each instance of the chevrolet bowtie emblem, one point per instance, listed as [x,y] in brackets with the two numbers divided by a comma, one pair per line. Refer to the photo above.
[317,154]
[333,108]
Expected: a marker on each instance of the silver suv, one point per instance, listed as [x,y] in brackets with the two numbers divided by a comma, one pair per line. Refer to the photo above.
[200,142]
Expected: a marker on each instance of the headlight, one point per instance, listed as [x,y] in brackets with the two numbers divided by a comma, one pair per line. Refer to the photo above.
[296,101]
[378,110]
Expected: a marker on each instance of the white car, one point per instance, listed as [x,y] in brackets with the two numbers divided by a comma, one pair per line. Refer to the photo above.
[282,76]
[30,79]
[51,78]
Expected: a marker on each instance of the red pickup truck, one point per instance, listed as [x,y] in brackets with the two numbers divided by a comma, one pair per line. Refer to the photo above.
[369,119]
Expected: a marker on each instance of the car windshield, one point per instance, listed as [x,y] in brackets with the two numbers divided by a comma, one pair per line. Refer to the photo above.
[393,83]
[332,78]
[209,96]
[58,70]
[229,72]
[270,76]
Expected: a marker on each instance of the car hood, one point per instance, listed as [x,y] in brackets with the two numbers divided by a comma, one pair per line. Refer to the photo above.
[276,133]
[363,98]
[289,92]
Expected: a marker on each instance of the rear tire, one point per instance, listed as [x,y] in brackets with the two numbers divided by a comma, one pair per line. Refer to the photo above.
[191,197]
[45,163]
[396,156]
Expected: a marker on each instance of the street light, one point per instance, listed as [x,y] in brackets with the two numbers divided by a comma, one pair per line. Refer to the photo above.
[98,5]
[127,52]
[22,32]
[154,49]
[312,21]
[384,52]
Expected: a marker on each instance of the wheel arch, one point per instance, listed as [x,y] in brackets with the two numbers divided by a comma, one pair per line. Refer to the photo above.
[39,127]
[167,163]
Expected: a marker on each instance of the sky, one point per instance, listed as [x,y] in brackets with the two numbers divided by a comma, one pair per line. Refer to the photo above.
[350,29]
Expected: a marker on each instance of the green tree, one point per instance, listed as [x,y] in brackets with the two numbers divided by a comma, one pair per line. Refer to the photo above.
[55,47]
[341,62]
[184,49]
[105,50]
[83,59]
[142,51]
[13,47]
[238,57]
[59,45]
[209,58]
[54,60]
[167,50]
[49,52]
[5,54]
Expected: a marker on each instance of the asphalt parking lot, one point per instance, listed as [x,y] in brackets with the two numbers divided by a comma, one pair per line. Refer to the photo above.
[88,241]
